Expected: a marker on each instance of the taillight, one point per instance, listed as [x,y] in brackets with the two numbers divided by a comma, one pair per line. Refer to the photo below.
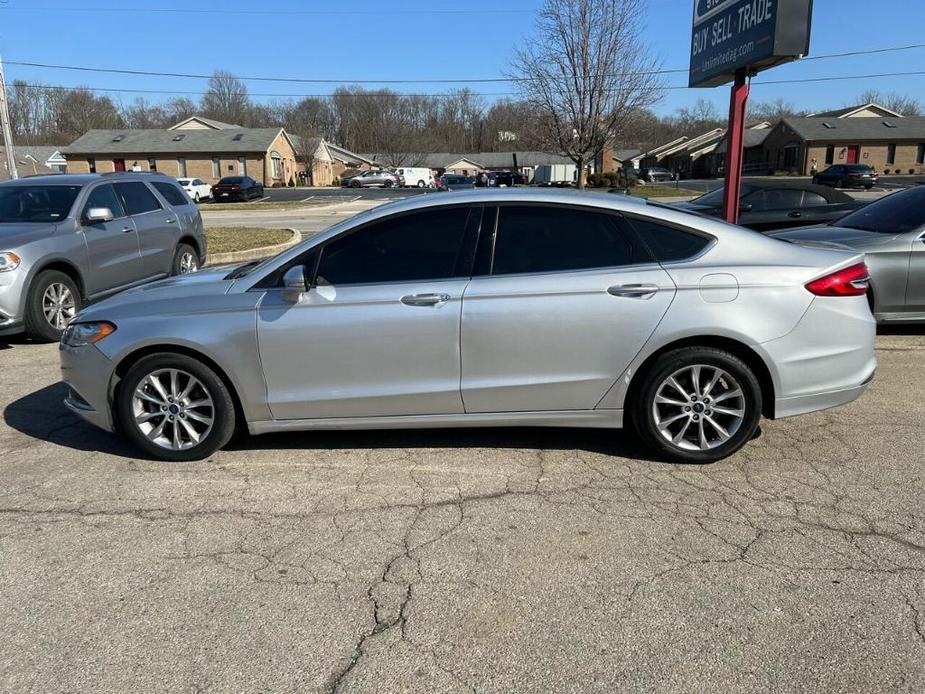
[852,281]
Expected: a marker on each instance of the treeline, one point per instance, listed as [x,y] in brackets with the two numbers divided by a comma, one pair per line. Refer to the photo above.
[363,120]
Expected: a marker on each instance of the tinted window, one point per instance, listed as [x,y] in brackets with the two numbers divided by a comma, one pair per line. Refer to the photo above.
[811,199]
[136,198]
[172,194]
[715,197]
[417,246]
[550,239]
[668,243]
[36,203]
[862,168]
[781,199]
[104,196]
[893,214]
[234,180]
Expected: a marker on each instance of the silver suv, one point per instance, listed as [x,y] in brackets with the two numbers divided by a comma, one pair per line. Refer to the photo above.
[68,240]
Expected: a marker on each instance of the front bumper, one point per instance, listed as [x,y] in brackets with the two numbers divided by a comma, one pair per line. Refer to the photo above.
[88,373]
[10,326]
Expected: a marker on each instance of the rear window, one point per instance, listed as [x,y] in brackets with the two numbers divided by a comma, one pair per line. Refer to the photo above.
[36,203]
[858,167]
[898,213]
[667,243]
[234,180]
[172,194]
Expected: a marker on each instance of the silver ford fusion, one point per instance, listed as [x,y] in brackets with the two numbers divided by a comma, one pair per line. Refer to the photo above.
[891,233]
[485,308]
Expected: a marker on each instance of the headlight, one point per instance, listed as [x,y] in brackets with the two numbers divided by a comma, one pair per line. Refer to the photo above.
[9,261]
[80,334]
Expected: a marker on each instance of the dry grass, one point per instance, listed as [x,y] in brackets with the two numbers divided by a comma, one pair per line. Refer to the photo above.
[657,191]
[228,239]
[268,205]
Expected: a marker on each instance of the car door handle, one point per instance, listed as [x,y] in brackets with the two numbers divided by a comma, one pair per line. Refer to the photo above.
[425,299]
[171,220]
[795,213]
[126,230]
[633,291]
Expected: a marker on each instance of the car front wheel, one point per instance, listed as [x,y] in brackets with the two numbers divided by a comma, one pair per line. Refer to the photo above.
[174,407]
[185,260]
[697,405]
[53,300]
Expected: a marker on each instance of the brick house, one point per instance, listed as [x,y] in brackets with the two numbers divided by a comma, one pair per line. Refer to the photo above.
[865,134]
[33,159]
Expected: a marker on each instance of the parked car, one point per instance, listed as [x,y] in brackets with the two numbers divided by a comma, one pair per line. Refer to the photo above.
[456,182]
[686,328]
[655,174]
[769,205]
[502,179]
[416,177]
[67,240]
[373,179]
[848,176]
[196,188]
[239,188]
[891,233]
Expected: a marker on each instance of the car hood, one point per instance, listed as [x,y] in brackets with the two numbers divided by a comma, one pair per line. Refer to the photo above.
[853,238]
[171,294]
[13,235]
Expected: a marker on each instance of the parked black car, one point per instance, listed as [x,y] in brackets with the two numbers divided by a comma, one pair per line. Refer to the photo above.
[655,174]
[769,205]
[848,176]
[236,188]
[456,182]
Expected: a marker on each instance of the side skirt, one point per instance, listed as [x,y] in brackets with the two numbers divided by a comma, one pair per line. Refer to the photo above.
[600,419]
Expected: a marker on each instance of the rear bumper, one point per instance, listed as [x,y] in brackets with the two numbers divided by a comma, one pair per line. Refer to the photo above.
[801,404]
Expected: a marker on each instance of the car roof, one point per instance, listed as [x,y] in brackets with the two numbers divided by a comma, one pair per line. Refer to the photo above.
[84,179]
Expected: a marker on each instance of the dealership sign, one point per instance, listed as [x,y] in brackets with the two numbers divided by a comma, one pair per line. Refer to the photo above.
[752,35]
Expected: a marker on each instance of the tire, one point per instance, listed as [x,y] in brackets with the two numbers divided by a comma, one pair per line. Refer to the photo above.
[868,187]
[165,433]
[42,299]
[387,184]
[354,184]
[185,260]
[421,184]
[196,198]
[686,446]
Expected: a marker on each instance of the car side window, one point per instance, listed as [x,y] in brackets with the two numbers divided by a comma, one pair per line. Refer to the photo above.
[172,194]
[667,243]
[136,198]
[541,238]
[774,199]
[811,199]
[104,196]
[197,182]
[422,245]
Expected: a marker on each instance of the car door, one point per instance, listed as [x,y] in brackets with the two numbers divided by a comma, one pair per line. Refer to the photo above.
[157,227]
[915,288]
[378,333]
[566,300]
[113,249]
[772,208]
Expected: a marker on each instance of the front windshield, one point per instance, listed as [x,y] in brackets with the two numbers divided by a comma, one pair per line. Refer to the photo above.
[893,214]
[39,204]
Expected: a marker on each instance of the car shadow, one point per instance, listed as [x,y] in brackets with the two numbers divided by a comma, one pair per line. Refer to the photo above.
[901,329]
[42,415]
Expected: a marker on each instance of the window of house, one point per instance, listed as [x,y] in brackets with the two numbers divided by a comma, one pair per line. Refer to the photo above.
[216,167]
[542,238]
[152,164]
[104,196]
[275,161]
[172,194]
[890,153]
[91,165]
[181,167]
[136,198]
[419,246]
[920,154]
[830,154]
[668,244]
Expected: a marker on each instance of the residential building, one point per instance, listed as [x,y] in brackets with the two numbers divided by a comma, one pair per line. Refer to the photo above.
[33,159]
[470,164]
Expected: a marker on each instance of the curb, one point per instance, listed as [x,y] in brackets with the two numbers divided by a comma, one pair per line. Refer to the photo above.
[254,253]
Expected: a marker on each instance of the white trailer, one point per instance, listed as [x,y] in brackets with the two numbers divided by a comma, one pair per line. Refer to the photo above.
[554,174]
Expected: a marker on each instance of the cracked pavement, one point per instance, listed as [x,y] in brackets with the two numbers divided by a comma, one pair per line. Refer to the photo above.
[489,560]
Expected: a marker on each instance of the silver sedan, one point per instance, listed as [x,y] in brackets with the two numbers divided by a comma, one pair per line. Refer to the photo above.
[891,233]
[486,308]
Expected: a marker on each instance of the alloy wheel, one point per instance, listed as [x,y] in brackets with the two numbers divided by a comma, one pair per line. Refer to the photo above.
[188,263]
[58,305]
[173,409]
[699,407]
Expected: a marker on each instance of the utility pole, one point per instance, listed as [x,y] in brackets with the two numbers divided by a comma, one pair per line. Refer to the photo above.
[5,127]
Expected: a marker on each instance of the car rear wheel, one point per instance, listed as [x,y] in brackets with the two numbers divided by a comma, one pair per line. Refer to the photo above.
[53,300]
[387,184]
[185,260]
[354,184]
[175,408]
[697,405]
[421,184]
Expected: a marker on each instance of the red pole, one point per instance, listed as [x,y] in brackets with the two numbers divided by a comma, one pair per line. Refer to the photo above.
[735,135]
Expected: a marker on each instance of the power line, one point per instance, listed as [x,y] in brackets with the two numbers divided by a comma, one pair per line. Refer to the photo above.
[479,80]
[276,12]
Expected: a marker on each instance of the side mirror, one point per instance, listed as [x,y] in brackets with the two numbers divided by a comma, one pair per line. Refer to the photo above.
[294,284]
[95,215]
[745,207]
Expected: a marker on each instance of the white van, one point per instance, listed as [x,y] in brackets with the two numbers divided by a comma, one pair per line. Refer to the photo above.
[416,177]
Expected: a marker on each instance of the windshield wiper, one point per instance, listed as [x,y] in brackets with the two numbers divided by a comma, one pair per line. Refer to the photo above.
[241,270]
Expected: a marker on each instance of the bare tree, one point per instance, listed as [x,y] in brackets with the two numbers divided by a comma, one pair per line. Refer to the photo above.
[773,111]
[901,103]
[226,99]
[586,73]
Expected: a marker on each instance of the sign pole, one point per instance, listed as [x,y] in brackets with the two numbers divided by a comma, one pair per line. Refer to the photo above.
[735,134]
[5,129]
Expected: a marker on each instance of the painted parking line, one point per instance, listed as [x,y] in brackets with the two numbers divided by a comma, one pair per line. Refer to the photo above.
[264,198]
[310,197]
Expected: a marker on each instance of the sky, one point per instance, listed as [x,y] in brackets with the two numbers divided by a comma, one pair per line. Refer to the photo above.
[412,40]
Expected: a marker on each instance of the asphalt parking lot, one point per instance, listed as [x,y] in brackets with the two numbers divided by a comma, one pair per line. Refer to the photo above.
[485,560]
